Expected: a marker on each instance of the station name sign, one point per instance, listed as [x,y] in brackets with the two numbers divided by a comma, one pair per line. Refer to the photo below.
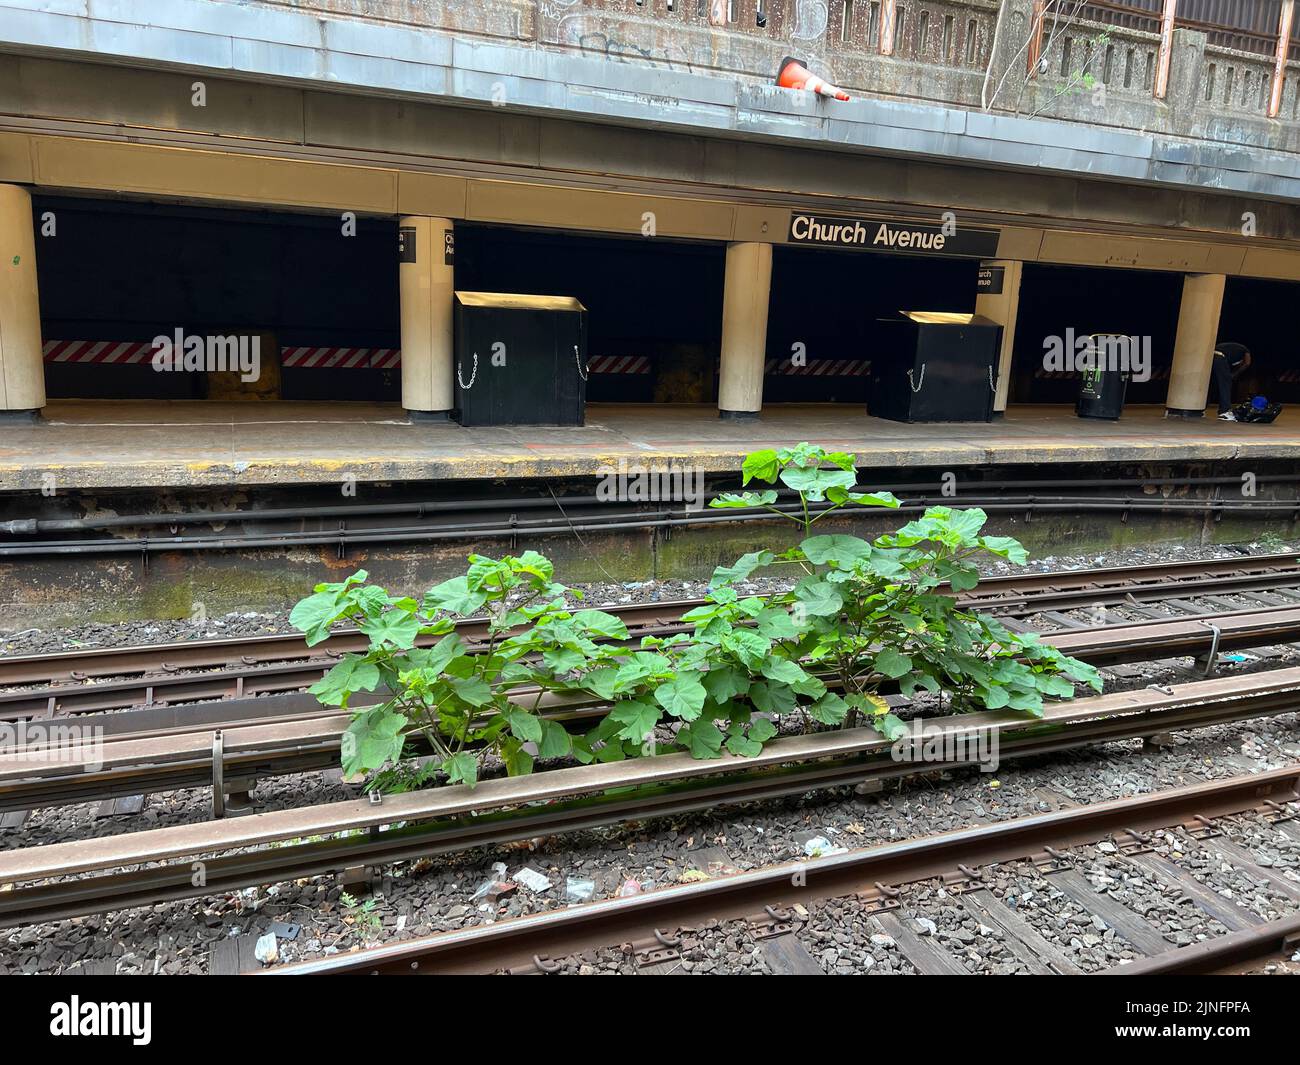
[873,234]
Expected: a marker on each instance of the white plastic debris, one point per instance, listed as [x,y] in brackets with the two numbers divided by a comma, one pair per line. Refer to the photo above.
[532,879]
[630,887]
[267,951]
[821,847]
[579,889]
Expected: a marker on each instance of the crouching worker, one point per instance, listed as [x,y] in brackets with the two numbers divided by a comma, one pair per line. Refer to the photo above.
[1230,359]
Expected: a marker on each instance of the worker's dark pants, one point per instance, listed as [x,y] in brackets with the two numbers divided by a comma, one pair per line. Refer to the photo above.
[1221,374]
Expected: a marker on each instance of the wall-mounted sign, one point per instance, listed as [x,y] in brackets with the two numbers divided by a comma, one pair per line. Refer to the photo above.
[989,280]
[406,244]
[908,238]
[449,247]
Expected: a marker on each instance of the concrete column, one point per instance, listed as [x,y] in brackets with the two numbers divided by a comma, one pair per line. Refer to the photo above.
[425,275]
[744,329]
[22,373]
[1003,308]
[1198,328]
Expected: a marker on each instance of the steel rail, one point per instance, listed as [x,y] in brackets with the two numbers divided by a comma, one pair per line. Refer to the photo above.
[498,810]
[524,941]
[998,595]
[1100,644]
[1214,955]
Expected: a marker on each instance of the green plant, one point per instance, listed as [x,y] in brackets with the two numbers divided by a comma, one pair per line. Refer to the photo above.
[861,614]
[363,916]
[867,613]
[465,706]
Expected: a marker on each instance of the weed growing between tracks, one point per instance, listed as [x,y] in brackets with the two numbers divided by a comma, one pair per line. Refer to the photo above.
[861,614]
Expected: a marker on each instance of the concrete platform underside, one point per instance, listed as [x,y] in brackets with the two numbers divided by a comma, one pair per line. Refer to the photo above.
[113,444]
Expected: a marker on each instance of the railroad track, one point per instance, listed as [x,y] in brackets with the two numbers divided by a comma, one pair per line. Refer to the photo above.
[148,867]
[116,678]
[230,745]
[771,907]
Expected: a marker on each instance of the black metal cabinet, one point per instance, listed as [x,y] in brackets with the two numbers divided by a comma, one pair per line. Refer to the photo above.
[520,360]
[935,366]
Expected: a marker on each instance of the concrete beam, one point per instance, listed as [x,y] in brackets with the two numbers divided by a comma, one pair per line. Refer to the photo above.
[285,46]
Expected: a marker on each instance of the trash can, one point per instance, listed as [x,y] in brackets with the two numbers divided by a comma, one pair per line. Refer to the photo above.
[1103,384]
[520,360]
[935,366]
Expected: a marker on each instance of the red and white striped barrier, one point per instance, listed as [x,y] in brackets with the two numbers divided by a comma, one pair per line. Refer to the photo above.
[105,351]
[1058,375]
[820,368]
[618,364]
[132,351]
[341,358]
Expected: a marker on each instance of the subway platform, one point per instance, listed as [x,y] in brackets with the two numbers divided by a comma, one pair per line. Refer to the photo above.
[148,444]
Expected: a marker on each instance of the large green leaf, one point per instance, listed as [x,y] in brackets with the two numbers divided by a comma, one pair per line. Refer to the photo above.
[759,466]
[372,739]
[555,741]
[461,768]
[892,663]
[683,697]
[725,682]
[351,674]
[776,624]
[773,697]
[782,669]
[813,481]
[396,627]
[1007,548]
[563,659]
[830,709]
[636,717]
[743,567]
[750,647]
[534,564]
[526,727]
[701,738]
[601,624]
[473,690]
[455,597]
[837,548]
[819,597]
[314,615]
[740,500]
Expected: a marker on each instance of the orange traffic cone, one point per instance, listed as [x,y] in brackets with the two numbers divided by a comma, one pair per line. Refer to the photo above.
[794,75]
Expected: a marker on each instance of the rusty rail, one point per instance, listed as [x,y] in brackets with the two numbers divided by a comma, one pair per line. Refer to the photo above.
[454,818]
[171,673]
[529,941]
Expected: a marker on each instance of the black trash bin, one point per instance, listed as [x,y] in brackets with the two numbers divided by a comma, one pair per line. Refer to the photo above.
[1102,388]
[520,360]
[935,366]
